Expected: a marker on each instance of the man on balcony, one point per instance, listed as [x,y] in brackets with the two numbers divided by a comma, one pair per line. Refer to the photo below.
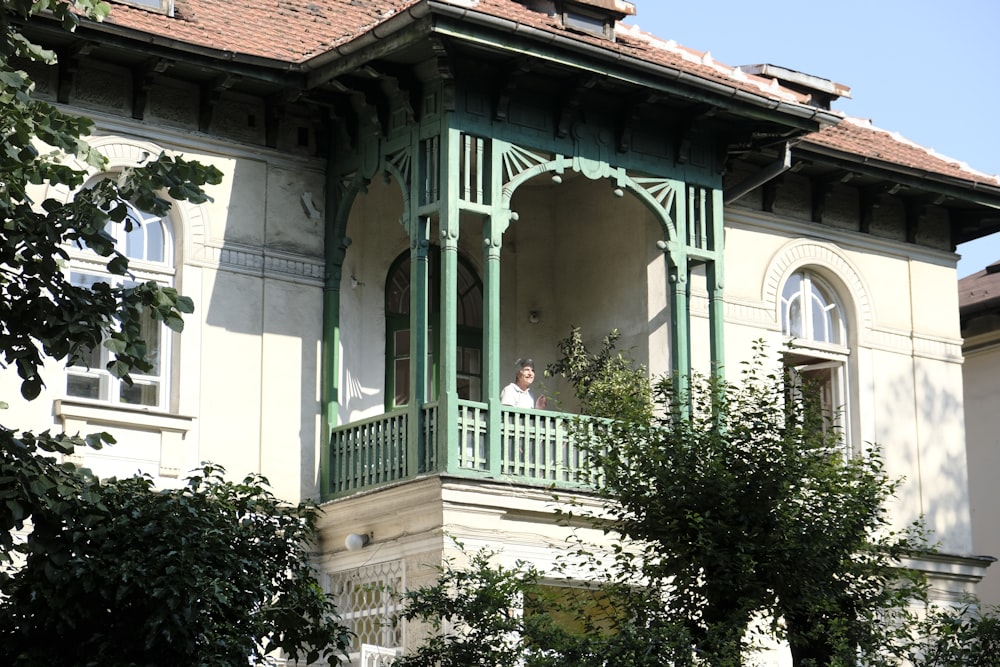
[518,393]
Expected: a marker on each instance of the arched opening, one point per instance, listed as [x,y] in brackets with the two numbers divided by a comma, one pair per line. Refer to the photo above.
[469,316]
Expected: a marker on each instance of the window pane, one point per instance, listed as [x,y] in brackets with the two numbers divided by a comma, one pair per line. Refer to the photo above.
[85,279]
[401,382]
[82,386]
[151,330]
[402,342]
[135,240]
[155,241]
[793,327]
[139,393]
[90,358]
[819,325]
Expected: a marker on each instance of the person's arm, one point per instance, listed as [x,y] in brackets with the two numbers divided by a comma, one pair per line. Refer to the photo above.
[508,396]
[540,403]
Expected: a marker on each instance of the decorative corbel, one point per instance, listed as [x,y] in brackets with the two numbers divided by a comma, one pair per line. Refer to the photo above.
[142,81]
[210,95]
[573,102]
[69,63]
[519,68]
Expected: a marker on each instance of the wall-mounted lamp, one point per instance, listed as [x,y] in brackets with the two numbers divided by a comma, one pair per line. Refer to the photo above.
[356,542]
[534,316]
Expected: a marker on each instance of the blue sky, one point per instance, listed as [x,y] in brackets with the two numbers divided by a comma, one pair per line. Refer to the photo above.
[927,69]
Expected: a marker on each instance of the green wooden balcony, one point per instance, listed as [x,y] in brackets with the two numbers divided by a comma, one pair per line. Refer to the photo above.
[533,447]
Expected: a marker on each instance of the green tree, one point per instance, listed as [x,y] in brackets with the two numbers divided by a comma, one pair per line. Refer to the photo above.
[213,573]
[965,635]
[739,504]
[484,614]
[71,548]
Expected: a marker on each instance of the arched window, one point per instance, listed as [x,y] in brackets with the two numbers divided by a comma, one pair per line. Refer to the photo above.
[147,241]
[816,359]
[469,317]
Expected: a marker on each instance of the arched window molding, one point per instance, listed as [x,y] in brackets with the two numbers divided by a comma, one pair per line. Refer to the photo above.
[828,262]
[152,245]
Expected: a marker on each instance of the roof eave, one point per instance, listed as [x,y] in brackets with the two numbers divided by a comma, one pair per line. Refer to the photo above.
[972,191]
[335,62]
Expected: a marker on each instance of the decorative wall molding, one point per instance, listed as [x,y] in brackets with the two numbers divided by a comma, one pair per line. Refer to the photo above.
[257,261]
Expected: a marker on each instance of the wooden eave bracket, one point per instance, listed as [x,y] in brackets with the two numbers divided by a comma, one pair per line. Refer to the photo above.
[572,103]
[274,107]
[629,120]
[823,187]
[210,95]
[685,130]
[515,74]
[143,78]
[363,113]
[69,63]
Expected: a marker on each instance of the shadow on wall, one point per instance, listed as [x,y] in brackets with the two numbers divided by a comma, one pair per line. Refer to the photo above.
[260,345]
[928,448]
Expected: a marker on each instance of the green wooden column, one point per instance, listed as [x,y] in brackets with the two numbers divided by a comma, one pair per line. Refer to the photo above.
[449,229]
[679,287]
[335,244]
[419,307]
[716,281]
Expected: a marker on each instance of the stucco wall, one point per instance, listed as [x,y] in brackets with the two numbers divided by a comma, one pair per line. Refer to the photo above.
[982,397]
[244,379]
[905,383]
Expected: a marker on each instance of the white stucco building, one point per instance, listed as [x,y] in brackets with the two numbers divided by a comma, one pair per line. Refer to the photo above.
[418,192]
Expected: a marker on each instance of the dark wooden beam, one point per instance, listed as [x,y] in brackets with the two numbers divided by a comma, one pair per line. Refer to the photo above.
[143,78]
[69,64]
[518,69]
[572,103]
[210,95]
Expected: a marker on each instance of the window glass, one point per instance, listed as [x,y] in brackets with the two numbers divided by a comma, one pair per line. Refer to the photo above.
[469,307]
[87,376]
[808,310]
[816,363]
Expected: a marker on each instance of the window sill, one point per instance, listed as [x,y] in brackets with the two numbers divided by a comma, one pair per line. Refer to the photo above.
[122,415]
[79,416]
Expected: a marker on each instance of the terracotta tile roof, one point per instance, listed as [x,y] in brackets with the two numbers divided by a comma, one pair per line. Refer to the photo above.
[980,291]
[297,30]
[633,42]
[861,138]
[290,31]
[294,31]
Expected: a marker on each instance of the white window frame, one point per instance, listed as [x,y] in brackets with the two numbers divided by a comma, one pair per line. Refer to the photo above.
[85,264]
[158,6]
[819,348]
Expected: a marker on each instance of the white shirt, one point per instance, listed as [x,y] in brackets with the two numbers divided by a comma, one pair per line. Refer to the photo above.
[515,396]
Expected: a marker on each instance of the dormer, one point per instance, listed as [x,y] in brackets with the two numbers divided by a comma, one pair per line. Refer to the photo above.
[593,17]
[158,6]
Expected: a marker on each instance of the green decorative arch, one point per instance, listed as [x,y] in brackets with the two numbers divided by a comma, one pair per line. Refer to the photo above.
[659,195]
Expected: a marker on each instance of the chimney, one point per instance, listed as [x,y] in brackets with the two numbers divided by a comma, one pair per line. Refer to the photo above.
[821,92]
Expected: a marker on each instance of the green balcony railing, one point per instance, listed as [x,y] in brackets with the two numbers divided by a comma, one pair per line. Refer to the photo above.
[532,447]
[368,453]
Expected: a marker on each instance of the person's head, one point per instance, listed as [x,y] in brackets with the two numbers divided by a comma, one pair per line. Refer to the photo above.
[524,373]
